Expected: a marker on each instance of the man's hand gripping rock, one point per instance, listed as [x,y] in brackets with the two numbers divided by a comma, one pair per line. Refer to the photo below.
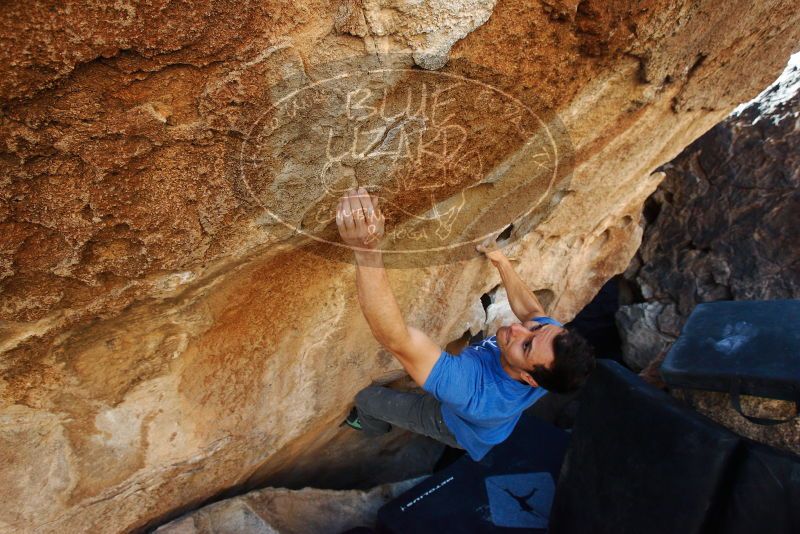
[359,219]
[490,249]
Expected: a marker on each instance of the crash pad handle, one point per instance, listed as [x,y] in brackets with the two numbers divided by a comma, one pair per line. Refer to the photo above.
[736,387]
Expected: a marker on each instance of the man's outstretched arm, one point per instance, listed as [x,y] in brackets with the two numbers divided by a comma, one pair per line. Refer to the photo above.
[361,226]
[523,301]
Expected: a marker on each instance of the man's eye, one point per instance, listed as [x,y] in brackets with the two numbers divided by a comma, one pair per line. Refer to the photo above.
[526,345]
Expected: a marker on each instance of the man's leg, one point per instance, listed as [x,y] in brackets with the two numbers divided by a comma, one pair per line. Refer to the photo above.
[379,408]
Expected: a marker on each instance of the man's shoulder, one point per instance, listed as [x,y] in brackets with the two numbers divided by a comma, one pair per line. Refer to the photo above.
[488,342]
[485,353]
[456,378]
[474,359]
[475,351]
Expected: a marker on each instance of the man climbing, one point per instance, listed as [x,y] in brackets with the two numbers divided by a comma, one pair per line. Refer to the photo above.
[473,400]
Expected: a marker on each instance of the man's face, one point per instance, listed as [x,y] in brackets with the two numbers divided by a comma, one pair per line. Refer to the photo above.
[527,345]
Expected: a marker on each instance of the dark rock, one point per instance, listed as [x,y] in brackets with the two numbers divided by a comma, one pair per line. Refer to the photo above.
[640,329]
[723,225]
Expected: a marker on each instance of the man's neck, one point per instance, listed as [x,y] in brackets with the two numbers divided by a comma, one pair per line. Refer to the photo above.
[510,371]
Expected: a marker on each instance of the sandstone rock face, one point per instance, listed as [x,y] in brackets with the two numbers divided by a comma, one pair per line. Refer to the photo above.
[165,338]
[281,511]
[428,29]
[724,224]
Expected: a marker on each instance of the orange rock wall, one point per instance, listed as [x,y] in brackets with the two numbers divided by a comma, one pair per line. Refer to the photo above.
[161,341]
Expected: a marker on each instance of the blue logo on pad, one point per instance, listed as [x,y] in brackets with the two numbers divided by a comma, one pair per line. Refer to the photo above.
[522,500]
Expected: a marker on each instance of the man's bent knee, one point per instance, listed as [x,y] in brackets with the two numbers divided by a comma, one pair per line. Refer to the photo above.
[366,395]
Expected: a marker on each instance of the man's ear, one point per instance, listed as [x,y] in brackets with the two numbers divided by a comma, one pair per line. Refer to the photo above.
[528,379]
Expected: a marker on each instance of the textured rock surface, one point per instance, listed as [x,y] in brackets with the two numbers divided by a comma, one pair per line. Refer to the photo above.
[718,407]
[724,224]
[641,328]
[277,510]
[163,340]
[427,29]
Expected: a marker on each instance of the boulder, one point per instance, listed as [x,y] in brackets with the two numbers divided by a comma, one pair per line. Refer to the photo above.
[642,340]
[282,511]
[723,225]
[176,318]
[717,406]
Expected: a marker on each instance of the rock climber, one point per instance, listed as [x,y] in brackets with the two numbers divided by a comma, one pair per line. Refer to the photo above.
[473,400]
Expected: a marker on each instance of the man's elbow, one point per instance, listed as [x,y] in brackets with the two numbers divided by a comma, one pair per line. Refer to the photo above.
[394,342]
[395,346]
[526,313]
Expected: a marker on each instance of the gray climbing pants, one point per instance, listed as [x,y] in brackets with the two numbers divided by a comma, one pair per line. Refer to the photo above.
[380,408]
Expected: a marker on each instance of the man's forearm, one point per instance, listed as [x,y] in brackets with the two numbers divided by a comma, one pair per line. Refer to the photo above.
[523,301]
[377,300]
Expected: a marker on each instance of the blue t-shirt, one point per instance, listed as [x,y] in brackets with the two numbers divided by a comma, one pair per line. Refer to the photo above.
[481,404]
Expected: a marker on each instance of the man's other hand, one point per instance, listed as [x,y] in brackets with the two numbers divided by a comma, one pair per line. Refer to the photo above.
[359,219]
[490,250]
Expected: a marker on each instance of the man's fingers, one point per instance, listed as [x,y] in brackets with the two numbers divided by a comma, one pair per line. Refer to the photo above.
[347,213]
[366,202]
[357,212]
[489,245]
[376,212]
[339,215]
[370,212]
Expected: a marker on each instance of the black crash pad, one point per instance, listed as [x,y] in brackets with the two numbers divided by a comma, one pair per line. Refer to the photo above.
[510,490]
[761,493]
[749,347]
[638,461]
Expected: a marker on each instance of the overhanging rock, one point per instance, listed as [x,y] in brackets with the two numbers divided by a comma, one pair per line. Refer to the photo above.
[165,339]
